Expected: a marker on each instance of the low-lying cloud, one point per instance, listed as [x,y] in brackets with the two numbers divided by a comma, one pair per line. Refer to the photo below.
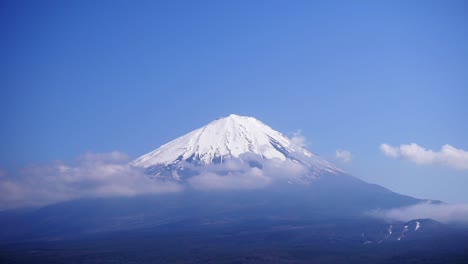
[245,174]
[92,175]
[445,213]
[252,179]
[110,174]
[343,155]
[448,155]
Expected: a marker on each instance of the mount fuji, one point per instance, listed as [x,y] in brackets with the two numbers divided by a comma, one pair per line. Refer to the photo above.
[304,204]
[235,150]
[233,138]
[233,145]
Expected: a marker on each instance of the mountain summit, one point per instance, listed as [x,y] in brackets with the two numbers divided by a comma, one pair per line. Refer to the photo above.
[229,138]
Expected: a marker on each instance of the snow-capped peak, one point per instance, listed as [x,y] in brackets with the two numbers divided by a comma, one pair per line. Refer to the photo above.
[226,138]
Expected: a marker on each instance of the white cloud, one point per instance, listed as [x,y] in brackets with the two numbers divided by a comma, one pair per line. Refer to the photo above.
[445,213]
[298,140]
[109,174]
[94,175]
[343,155]
[253,179]
[447,156]
[280,169]
[240,175]
[389,150]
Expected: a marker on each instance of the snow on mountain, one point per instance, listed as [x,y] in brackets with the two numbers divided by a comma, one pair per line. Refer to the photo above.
[232,137]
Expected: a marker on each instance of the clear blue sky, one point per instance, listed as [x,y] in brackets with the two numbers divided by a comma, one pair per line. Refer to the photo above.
[79,76]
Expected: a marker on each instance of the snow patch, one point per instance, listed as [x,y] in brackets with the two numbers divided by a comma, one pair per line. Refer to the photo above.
[418,225]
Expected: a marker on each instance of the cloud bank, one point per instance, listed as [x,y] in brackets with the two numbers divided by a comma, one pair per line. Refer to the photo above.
[253,179]
[343,155]
[245,174]
[448,155]
[445,213]
[109,174]
[93,175]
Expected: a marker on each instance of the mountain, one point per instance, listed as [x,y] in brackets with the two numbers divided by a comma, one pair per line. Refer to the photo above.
[235,152]
[233,145]
[234,137]
[305,211]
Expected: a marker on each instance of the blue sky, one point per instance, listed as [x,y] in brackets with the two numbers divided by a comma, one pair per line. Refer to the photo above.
[79,76]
